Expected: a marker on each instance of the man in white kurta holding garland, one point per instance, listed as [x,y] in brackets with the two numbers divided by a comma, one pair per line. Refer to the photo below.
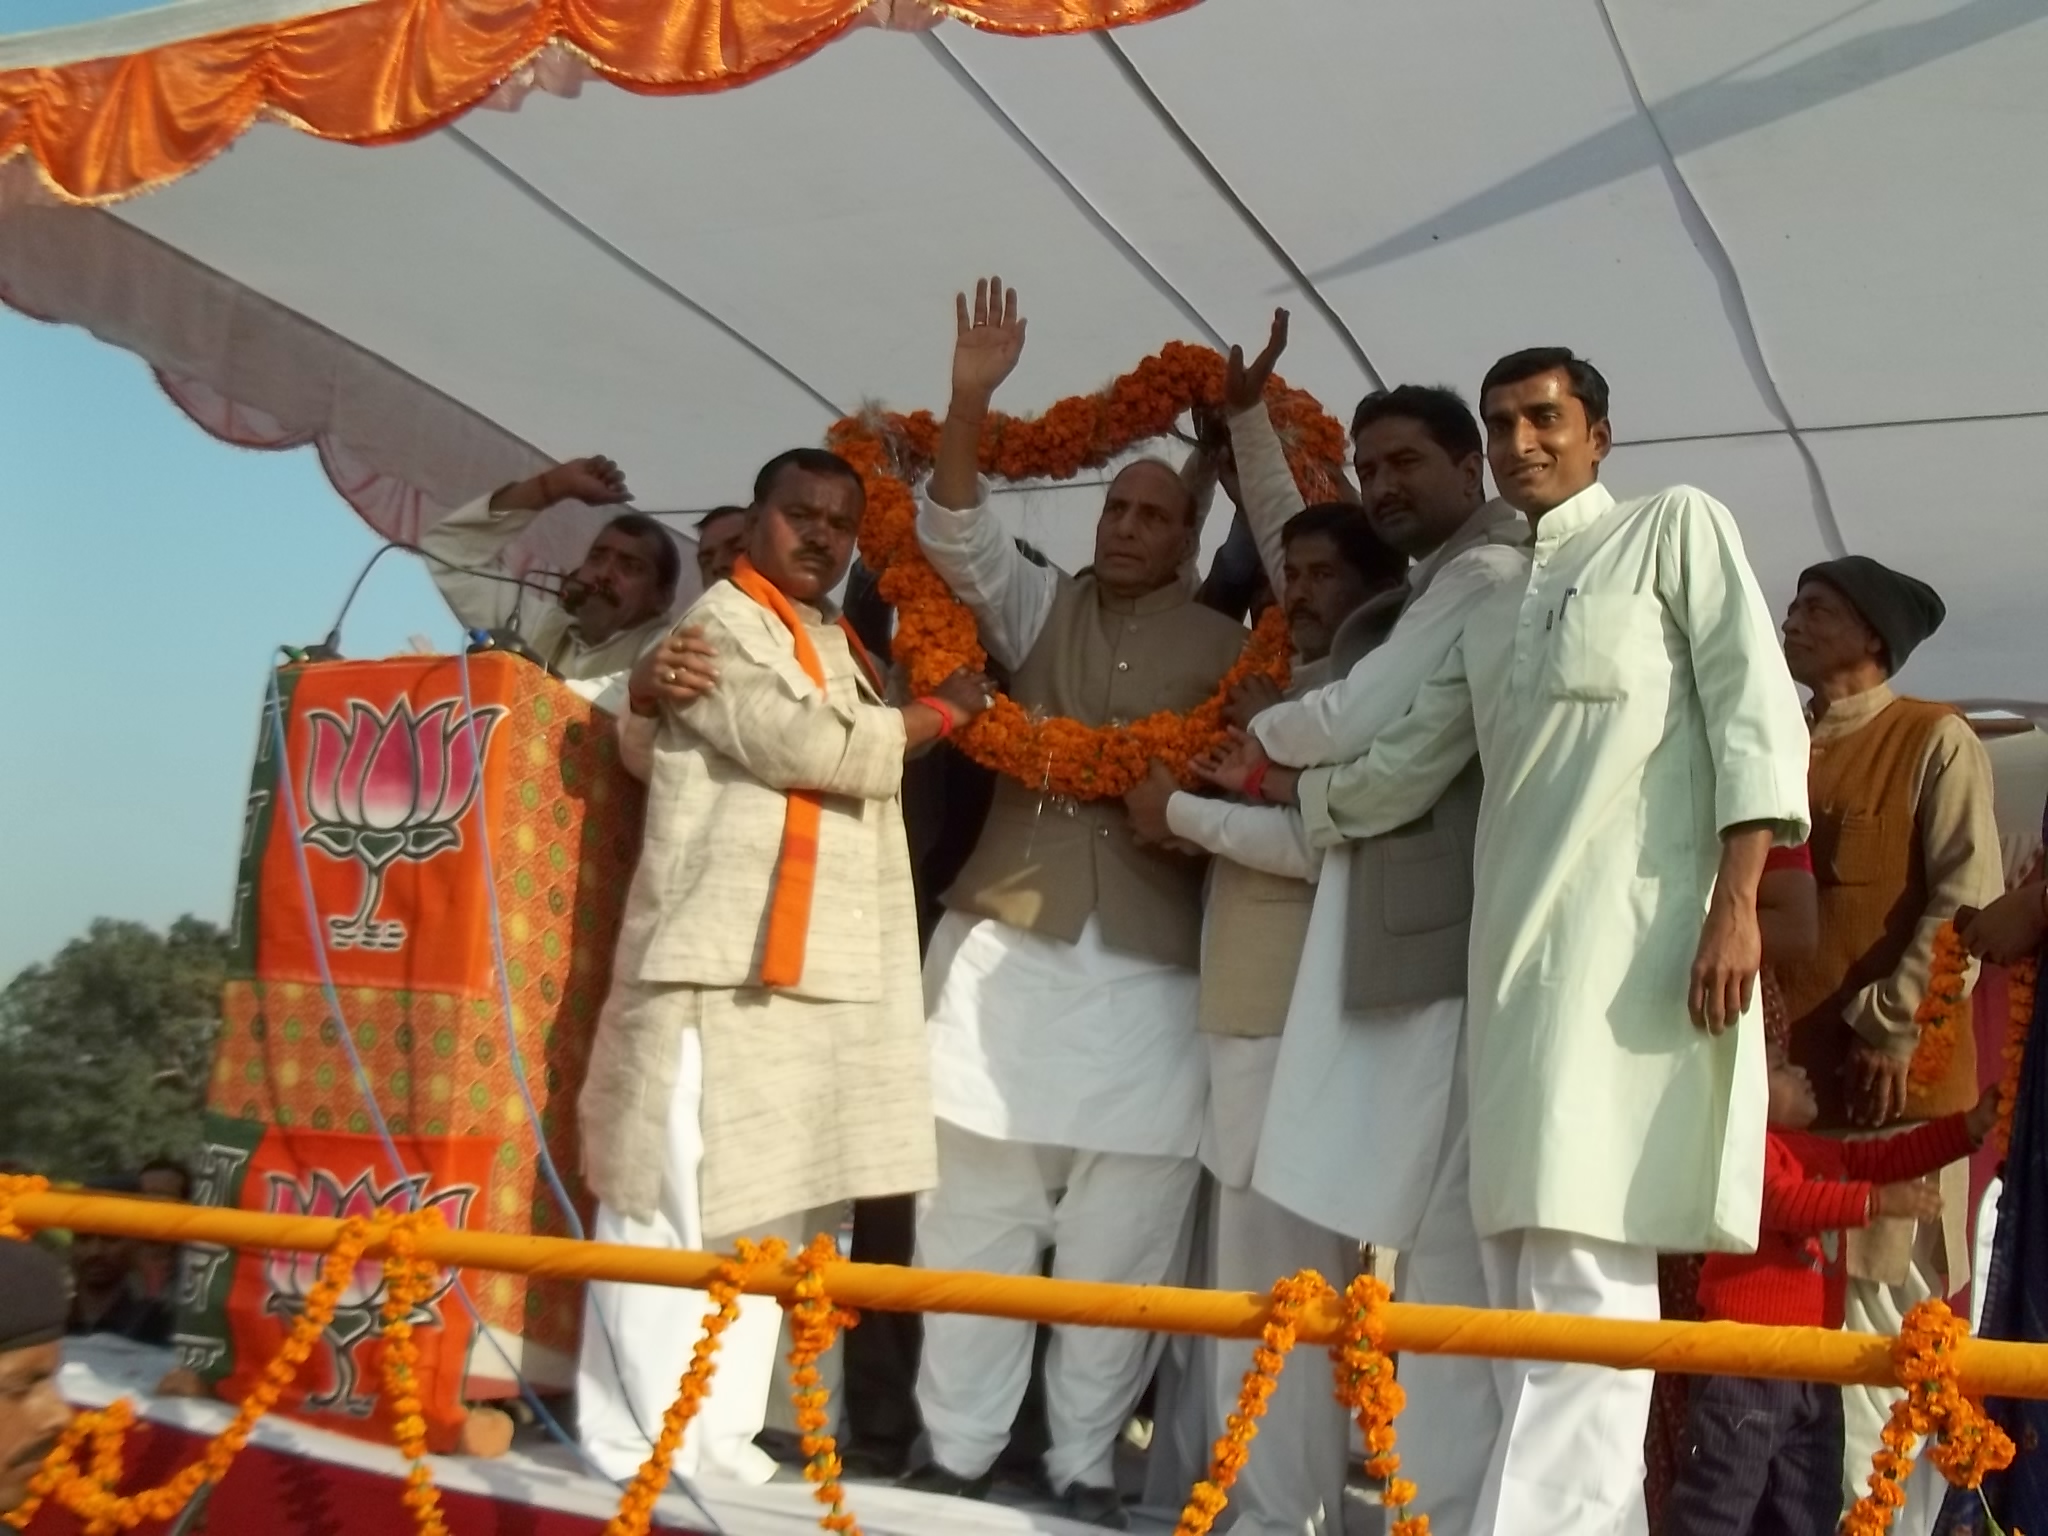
[1643,747]
[1370,1072]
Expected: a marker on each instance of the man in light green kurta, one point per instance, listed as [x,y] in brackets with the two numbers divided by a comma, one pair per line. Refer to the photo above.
[1643,747]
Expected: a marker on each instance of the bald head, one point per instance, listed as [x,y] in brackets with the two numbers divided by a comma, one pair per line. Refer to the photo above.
[1147,529]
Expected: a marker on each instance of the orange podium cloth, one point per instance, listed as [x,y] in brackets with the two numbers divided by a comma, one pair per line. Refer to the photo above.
[415,808]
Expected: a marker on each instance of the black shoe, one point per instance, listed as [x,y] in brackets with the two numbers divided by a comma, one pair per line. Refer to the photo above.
[933,1478]
[1095,1506]
[874,1461]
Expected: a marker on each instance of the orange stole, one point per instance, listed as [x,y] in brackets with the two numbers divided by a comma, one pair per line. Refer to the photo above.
[796,868]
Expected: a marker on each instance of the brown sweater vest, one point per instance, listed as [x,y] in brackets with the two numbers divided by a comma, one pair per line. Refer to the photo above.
[1872,875]
[1044,863]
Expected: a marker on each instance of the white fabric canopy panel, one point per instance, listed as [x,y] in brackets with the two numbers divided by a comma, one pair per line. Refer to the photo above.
[1787,232]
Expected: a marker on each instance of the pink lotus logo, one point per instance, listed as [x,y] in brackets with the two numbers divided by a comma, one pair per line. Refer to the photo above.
[381,788]
[292,1276]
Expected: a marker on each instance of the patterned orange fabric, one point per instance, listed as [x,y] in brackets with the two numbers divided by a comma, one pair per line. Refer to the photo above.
[104,129]
[387,797]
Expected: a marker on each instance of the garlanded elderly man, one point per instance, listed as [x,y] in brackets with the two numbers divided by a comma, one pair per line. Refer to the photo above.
[762,1051]
[1066,1069]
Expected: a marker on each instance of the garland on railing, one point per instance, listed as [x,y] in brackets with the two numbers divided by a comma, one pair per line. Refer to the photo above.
[636,1509]
[1290,1298]
[814,1323]
[90,1494]
[1967,1445]
[408,1281]
[1366,1385]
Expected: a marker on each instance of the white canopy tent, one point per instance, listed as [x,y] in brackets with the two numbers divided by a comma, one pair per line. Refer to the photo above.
[1789,232]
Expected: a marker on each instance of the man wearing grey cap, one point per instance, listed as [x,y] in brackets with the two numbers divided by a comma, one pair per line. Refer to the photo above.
[1903,835]
[33,1305]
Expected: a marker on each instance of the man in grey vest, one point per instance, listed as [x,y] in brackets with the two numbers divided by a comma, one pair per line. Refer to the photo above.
[1365,1129]
[1338,583]
[1067,1077]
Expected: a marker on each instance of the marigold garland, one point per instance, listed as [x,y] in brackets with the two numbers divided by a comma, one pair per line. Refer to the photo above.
[1290,1298]
[408,1281]
[1968,1445]
[814,1323]
[1944,1013]
[2020,983]
[636,1508]
[90,1494]
[1366,1385]
[936,634]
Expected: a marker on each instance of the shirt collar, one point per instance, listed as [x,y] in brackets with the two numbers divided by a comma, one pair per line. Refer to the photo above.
[1569,518]
[1852,713]
[1492,521]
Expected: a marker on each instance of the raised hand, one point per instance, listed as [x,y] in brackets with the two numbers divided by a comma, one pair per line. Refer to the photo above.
[987,342]
[1244,387]
[595,481]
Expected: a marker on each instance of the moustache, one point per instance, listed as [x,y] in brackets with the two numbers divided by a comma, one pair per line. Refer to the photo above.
[576,593]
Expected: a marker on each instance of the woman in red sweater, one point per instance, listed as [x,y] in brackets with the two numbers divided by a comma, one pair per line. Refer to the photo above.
[1765,1457]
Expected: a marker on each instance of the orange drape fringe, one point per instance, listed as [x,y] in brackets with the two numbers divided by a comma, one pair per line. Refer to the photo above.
[103,129]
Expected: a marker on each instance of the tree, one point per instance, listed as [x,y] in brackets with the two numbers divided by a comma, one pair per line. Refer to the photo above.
[105,1051]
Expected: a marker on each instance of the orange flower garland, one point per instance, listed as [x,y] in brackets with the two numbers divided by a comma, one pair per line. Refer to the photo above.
[1944,1013]
[2020,983]
[1968,1446]
[1290,1299]
[408,1281]
[90,1495]
[814,1323]
[936,634]
[1366,1385]
[636,1509]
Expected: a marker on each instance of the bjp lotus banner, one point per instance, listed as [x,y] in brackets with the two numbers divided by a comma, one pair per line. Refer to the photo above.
[429,828]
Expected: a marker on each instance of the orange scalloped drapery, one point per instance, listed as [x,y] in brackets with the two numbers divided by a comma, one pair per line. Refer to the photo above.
[104,129]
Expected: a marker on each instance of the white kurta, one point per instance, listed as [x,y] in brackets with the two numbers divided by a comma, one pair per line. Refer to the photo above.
[1629,703]
[466,558]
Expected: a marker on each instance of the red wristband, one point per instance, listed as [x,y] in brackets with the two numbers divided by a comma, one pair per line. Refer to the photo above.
[646,708]
[943,710]
[1255,782]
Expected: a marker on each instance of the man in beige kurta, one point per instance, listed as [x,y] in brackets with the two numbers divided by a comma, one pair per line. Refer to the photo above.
[716,1107]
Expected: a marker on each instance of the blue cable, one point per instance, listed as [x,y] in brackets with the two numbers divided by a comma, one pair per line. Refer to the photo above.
[274,707]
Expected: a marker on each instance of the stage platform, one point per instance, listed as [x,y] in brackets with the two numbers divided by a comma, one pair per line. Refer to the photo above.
[294,1480]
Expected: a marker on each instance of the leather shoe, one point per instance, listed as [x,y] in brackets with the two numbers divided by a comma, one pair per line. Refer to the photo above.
[1095,1506]
[933,1478]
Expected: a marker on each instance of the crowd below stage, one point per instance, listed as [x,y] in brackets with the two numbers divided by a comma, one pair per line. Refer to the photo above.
[1539,934]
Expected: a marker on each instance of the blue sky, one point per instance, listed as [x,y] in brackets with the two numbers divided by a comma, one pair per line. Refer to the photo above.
[151,573]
